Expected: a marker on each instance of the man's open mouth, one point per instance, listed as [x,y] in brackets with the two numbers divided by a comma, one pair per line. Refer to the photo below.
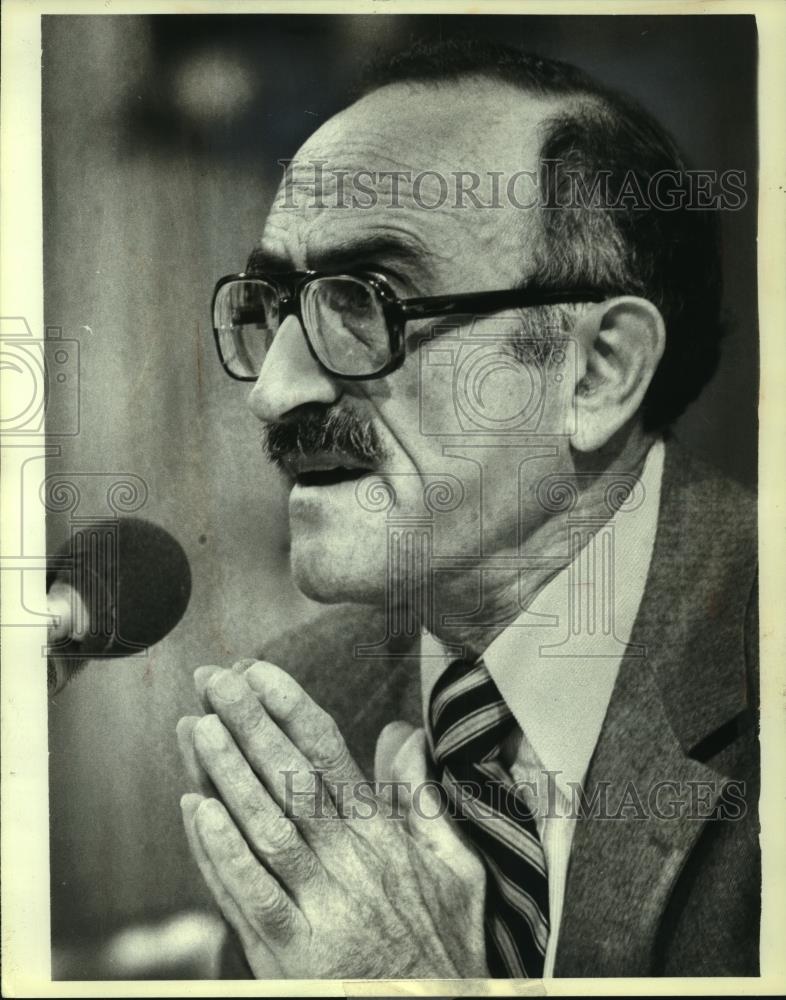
[328,468]
[329,477]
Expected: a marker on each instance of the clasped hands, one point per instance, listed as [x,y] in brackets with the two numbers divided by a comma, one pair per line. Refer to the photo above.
[305,858]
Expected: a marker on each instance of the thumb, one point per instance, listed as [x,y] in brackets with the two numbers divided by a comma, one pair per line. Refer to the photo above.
[429,819]
[389,742]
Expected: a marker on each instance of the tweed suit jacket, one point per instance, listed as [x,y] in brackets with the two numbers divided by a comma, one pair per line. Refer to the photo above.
[664,874]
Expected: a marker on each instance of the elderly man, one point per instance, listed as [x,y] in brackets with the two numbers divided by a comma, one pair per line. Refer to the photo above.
[468,338]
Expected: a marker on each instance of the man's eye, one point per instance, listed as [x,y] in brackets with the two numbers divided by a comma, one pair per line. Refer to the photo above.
[398,281]
[352,297]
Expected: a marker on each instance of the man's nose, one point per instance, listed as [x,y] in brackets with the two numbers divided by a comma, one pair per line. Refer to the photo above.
[290,376]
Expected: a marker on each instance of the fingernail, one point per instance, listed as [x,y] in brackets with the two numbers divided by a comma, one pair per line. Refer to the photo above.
[257,675]
[201,677]
[211,814]
[185,725]
[211,730]
[242,665]
[228,686]
[190,802]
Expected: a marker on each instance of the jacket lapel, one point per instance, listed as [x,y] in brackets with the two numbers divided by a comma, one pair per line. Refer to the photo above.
[626,856]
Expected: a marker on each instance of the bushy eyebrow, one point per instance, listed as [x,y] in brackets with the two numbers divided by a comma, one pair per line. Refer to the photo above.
[362,252]
[267,262]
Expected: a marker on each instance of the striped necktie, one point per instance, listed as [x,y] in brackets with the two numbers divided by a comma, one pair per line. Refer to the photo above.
[469,721]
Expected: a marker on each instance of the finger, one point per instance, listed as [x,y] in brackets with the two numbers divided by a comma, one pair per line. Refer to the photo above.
[393,793]
[310,728]
[410,762]
[318,739]
[265,905]
[201,677]
[241,666]
[257,952]
[291,779]
[389,742]
[188,807]
[185,741]
[428,818]
[271,834]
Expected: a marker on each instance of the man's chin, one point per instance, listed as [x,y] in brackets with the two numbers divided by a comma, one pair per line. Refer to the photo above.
[332,581]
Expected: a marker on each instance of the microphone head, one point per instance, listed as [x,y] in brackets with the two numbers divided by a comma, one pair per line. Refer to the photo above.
[133,579]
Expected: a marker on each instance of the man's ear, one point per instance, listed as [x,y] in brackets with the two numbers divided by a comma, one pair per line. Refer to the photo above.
[620,343]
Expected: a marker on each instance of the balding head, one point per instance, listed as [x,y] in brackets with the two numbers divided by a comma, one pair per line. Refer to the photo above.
[420,161]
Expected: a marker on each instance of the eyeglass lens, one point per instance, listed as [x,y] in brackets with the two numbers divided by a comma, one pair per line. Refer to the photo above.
[343,316]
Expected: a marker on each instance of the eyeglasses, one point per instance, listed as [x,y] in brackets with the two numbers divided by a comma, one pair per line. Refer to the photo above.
[353,323]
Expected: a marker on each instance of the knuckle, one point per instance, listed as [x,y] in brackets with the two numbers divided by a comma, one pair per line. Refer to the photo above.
[271,907]
[225,852]
[256,812]
[281,842]
[274,686]
[236,858]
[256,725]
[286,852]
[305,868]
[329,750]
[289,697]
[281,836]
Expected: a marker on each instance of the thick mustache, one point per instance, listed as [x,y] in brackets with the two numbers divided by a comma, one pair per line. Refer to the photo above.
[323,429]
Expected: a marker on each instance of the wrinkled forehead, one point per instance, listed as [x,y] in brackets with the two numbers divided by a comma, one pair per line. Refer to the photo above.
[430,164]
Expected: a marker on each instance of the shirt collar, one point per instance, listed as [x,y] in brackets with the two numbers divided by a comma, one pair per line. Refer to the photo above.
[558,680]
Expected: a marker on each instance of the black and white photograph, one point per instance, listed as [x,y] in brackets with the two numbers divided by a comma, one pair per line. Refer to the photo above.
[390,454]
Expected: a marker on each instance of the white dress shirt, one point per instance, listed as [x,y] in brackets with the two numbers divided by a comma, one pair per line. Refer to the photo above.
[558,690]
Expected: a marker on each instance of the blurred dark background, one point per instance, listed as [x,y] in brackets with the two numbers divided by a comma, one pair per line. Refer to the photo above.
[161,141]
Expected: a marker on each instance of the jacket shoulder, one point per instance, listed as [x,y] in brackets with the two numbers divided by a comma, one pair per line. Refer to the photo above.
[697,615]
[725,507]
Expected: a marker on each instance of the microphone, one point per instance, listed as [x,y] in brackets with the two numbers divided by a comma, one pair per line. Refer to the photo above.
[114,589]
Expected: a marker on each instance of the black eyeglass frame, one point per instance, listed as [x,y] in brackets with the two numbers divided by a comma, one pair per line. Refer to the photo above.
[397,312]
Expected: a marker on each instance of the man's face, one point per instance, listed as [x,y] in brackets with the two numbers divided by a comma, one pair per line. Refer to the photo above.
[462,409]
